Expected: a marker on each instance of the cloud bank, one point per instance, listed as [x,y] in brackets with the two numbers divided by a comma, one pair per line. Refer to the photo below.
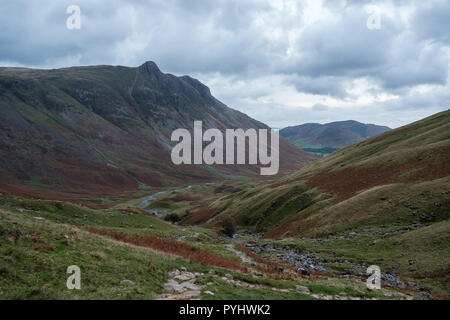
[282,62]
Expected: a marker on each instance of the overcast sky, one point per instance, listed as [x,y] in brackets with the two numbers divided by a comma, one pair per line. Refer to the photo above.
[281,62]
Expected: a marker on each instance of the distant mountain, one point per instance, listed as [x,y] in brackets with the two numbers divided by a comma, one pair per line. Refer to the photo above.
[323,139]
[99,131]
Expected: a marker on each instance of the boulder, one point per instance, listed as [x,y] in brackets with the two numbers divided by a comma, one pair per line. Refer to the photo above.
[303,272]
[422,296]
[302,289]
[184,276]
[127,283]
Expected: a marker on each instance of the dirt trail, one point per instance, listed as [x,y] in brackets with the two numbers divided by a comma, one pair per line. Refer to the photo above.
[182,284]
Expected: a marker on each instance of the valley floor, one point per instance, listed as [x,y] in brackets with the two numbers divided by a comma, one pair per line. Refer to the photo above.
[130,252]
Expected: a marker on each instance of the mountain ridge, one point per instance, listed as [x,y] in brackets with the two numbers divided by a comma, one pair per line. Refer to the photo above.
[323,139]
[105,130]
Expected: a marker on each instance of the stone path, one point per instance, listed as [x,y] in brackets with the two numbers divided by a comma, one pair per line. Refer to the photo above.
[182,285]
[244,258]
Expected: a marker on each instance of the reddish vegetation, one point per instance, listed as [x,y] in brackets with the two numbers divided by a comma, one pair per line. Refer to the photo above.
[347,182]
[193,254]
[186,251]
[86,197]
[291,226]
[73,197]
[199,216]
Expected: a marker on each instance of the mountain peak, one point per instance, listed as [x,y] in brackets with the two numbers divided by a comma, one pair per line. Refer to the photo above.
[197,85]
[151,67]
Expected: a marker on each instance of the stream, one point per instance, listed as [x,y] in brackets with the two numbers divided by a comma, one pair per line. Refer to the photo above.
[304,261]
[146,201]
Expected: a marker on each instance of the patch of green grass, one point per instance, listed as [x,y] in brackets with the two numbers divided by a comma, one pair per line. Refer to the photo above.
[227,291]
[427,247]
[34,256]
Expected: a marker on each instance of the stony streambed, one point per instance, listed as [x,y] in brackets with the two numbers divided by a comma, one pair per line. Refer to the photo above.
[309,261]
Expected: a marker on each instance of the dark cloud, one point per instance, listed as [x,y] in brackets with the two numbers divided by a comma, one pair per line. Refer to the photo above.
[343,46]
[431,21]
[253,53]
[320,85]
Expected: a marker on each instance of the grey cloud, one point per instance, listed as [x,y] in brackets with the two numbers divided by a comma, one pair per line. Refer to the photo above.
[343,46]
[416,64]
[35,34]
[248,40]
[223,36]
[323,85]
[431,20]
[320,107]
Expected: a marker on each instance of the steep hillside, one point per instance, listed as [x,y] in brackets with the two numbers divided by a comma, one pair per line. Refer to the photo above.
[87,133]
[385,200]
[323,139]
[367,181]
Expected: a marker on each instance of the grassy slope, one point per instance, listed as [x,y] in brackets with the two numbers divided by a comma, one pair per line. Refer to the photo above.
[428,249]
[298,208]
[413,158]
[357,238]
[404,200]
[29,271]
[381,189]
[35,254]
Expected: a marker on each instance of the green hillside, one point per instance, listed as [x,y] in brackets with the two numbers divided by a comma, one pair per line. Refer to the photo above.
[323,139]
[373,173]
[384,201]
[124,254]
[387,198]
